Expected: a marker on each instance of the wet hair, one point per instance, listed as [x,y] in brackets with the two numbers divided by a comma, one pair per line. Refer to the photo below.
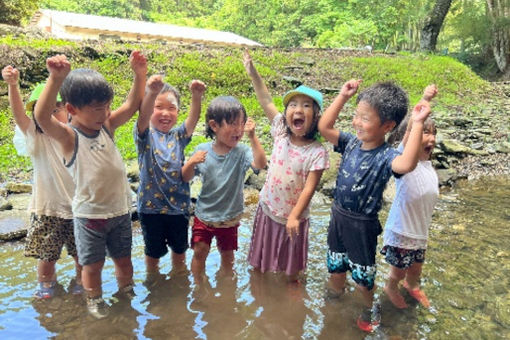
[313,133]
[223,109]
[85,86]
[389,101]
[169,88]
[398,134]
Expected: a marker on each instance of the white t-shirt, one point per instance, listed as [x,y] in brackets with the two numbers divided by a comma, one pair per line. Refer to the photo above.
[102,190]
[411,212]
[288,170]
[53,187]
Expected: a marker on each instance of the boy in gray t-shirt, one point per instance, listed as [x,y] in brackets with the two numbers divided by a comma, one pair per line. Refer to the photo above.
[222,165]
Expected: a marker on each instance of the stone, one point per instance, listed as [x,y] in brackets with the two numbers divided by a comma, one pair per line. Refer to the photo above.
[503,147]
[446,176]
[132,171]
[5,204]
[293,81]
[18,188]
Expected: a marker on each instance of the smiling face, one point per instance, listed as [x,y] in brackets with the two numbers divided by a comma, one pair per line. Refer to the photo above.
[227,135]
[166,109]
[428,140]
[299,116]
[368,126]
[90,118]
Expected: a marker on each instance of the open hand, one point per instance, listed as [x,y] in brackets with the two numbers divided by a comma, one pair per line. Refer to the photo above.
[58,66]
[10,75]
[138,63]
[421,111]
[350,87]
[292,227]
[197,87]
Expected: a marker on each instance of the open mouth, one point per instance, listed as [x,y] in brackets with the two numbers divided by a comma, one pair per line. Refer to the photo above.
[298,123]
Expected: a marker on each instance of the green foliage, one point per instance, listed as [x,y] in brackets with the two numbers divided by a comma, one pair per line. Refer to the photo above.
[43,44]
[16,12]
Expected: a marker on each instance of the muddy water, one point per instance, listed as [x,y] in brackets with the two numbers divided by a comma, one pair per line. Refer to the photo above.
[466,276]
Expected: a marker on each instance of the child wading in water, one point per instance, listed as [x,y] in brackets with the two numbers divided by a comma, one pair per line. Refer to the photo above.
[407,226]
[222,165]
[51,219]
[367,164]
[102,197]
[280,231]
[163,198]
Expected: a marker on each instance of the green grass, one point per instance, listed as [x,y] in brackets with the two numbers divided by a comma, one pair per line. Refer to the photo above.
[223,72]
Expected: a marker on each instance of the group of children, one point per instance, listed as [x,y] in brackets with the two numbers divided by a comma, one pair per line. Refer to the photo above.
[81,195]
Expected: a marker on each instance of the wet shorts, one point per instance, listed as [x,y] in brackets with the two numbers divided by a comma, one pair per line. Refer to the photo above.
[97,237]
[352,242]
[47,235]
[161,231]
[226,238]
[403,258]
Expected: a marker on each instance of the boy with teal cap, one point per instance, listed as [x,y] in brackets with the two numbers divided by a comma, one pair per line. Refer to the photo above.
[51,220]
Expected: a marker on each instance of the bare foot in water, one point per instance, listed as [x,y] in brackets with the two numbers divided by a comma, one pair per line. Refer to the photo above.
[395,297]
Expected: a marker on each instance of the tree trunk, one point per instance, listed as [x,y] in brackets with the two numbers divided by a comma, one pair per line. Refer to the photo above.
[499,12]
[433,25]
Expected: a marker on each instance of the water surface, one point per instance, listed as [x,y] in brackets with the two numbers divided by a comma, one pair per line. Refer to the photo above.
[466,276]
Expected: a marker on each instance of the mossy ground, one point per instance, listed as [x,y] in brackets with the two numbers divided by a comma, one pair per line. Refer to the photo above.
[462,92]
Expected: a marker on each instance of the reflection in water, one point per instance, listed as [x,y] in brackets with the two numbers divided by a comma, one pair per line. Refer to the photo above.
[466,276]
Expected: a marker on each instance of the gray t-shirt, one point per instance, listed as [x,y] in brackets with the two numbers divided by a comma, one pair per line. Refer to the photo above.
[221,198]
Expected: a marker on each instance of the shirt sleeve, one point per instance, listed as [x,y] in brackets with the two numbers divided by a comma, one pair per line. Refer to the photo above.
[248,157]
[141,139]
[320,160]
[343,140]
[278,127]
[181,133]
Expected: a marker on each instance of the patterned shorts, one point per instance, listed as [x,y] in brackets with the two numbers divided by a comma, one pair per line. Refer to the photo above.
[47,235]
[403,258]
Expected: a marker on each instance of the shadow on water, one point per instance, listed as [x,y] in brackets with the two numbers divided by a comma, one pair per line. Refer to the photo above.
[466,276]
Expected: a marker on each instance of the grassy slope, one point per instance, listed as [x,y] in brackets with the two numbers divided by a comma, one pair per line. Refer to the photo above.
[462,92]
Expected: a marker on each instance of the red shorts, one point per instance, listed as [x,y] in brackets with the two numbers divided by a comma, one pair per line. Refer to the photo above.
[226,238]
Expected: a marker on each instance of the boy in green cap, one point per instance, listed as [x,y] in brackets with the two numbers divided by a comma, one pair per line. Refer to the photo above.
[51,219]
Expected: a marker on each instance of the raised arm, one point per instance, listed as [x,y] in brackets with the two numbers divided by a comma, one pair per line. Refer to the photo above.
[407,161]
[59,67]
[197,89]
[122,114]
[428,94]
[263,96]
[312,180]
[188,169]
[154,86]
[327,122]
[259,156]
[11,77]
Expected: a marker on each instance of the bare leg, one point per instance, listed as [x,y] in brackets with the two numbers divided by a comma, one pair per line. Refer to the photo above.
[391,288]
[413,275]
[336,283]
[152,264]
[368,295]
[91,278]
[179,262]
[46,271]
[200,252]
[79,269]
[227,262]
[123,271]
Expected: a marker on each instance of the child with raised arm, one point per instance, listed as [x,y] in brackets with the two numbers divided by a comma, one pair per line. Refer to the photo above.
[51,217]
[163,198]
[222,165]
[367,164]
[406,229]
[102,197]
[280,231]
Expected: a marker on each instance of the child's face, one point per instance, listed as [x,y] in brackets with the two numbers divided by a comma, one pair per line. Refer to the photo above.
[90,118]
[428,141]
[368,127]
[165,112]
[299,115]
[228,135]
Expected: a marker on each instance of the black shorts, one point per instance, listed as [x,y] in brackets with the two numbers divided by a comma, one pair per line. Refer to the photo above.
[161,231]
[352,242]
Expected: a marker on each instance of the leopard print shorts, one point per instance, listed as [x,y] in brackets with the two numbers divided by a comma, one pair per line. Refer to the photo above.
[46,237]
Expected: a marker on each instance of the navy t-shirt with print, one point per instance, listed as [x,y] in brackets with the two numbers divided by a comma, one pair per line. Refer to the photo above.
[160,159]
[362,175]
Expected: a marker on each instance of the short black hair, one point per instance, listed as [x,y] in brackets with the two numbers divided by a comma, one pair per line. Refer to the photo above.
[169,88]
[388,99]
[223,108]
[84,86]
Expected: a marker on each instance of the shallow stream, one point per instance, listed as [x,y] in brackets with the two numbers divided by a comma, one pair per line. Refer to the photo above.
[466,276]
